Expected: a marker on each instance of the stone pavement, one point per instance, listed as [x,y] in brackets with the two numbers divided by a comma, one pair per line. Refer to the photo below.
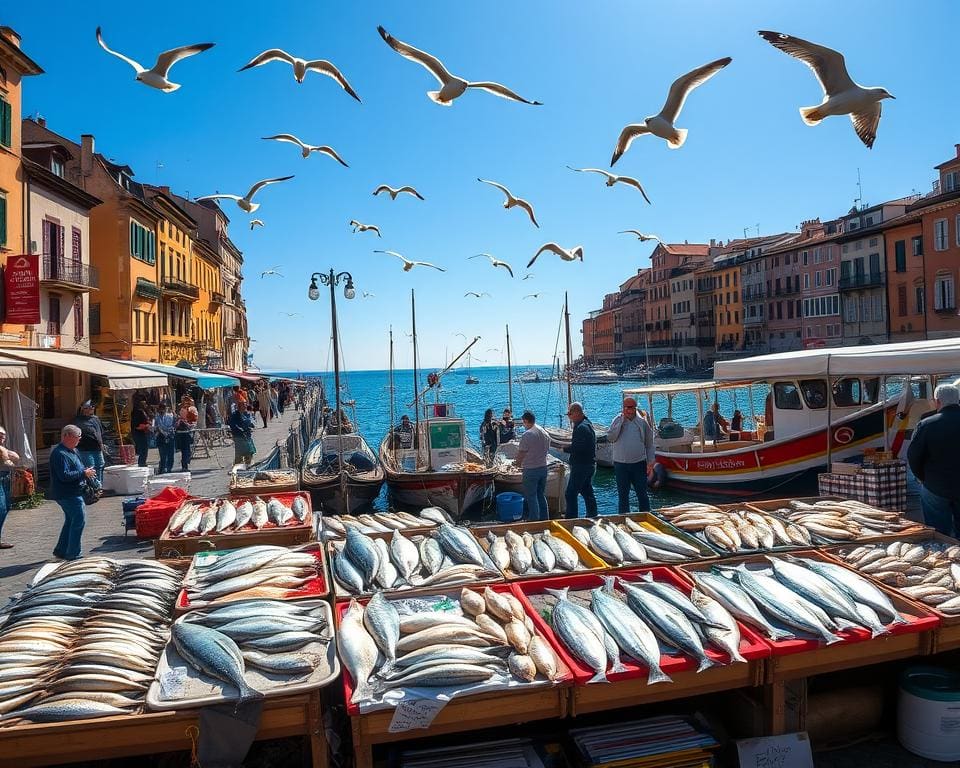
[33,532]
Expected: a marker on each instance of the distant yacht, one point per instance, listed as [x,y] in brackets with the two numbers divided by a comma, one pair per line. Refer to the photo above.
[594,376]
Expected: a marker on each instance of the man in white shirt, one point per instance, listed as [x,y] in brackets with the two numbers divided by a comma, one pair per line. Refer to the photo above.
[633,455]
[532,460]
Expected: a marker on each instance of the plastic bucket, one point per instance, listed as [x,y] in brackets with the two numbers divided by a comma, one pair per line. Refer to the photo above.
[928,712]
[509,507]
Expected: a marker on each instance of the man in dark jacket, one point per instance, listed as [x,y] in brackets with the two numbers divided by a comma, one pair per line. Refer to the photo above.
[583,458]
[67,479]
[933,461]
[140,423]
[90,448]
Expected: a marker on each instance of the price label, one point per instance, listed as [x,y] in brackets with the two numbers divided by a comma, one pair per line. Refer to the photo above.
[173,683]
[415,714]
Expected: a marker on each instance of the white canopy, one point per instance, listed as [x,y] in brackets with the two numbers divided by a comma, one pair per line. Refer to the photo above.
[688,386]
[936,356]
[118,375]
[12,369]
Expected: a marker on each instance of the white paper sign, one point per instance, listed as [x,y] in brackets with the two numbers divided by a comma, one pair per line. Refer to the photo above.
[173,683]
[791,750]
[414,714]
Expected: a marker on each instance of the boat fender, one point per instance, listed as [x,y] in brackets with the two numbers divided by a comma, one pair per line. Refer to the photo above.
[658,477]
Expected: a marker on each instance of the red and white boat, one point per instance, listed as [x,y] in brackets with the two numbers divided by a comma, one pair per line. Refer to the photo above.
[826,405]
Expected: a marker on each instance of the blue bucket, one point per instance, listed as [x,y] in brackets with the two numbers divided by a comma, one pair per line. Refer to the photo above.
[509,507]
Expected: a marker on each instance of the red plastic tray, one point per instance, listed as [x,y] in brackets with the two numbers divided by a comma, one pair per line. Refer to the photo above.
[752,645]
[341,608]
[316,587]
[918,620]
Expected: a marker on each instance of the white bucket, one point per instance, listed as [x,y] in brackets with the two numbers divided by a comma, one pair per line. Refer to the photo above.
[928,713]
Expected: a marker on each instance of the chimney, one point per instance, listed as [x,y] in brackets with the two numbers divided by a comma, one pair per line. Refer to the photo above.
[8,34]
[86,154]
[713,242]
[957,147]
[165,190]
[41,121]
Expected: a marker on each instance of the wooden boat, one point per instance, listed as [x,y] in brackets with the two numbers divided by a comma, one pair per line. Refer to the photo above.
[341,473]
[510,478]
[561,436]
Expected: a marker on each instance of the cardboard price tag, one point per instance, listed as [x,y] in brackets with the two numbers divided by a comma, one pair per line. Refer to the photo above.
[791,750]
[415,714]
[173,683]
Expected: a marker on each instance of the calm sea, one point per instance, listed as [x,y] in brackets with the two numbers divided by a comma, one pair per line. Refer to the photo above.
[548,400]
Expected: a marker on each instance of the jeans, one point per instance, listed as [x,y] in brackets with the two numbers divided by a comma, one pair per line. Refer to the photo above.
[185,445]
[939,512]
[4,499]
[534,493]
[581,484]
[141,441]
[74,518]
[627,475]
[93,459]
[165,447]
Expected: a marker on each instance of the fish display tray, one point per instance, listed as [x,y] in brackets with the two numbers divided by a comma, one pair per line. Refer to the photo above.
[340,593]
[772,507]
[589,562]
[803,656]
[316,587]
[701,537]
[467,692]
[194,689]
[244,482]
[647,520]
[332,535]
[290,535]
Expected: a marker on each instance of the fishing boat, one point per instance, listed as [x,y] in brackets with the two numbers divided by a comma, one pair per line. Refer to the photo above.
[594,376]
[822,406]
[530,377]
[510,477]
[665,371]
[341,473]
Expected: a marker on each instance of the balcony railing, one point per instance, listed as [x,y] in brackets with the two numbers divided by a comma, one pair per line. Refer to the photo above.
[753,320]
[147,289]
[787,290]
[179,287]
[861,280]
[216,298]
[69,272]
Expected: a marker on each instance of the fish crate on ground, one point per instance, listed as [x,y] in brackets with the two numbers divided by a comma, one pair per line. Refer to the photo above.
[293,533]
[782,509]
[30,745]
[179,685]
[651,522]
[947,636]
[251,482]
[340,592]
[630,687]
[589,562]
[805,655]
[315,588]
[469,706]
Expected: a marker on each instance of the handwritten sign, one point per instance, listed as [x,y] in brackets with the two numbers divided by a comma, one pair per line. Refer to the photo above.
[173,683]
[415,714]
[791,750]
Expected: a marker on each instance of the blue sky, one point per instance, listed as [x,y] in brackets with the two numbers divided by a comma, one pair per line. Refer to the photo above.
[748,158]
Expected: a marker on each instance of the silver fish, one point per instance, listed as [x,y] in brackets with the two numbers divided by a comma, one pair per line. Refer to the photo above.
[357,650]
[192,523]
[260,517]
[283,641]
[299,508]
[244,514]
[226,515]
[404,555]
[381,619]
[387,576]
[521,558]
[631,548]
[582,535]
[604,544]
[543,558]
[296,663]
[363,553]
[460,544]
[180,517]
[208,519]
[672,595]
[431,556]
[212,653]
[76,708]
[565,555]
[736,600]
[722,632]
[465,653]
[858,588]
[346,573]
[581,633]
[631,634]
[439,675]
[278,514]
[818,590]
[435,515]
[498,551]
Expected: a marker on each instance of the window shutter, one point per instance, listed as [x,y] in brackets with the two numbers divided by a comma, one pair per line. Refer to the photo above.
[900,247]
[61,251]
[3,220]
[6,123]
[78,317]
[75,237]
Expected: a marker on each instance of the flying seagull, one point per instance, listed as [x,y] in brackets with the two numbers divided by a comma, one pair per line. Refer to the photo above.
[271,271]
[289,314]
[532,296]
[301,67]
[306,149]
[358,227]
[408,265]
[254,223]
[367,295]
[614,179]
[451,86]
[477,295]
[157,76]
[528,275]
[495,262]
[572,255]
[246,202]
[394,192]
[662,125]
[841,95]
[640,235]
[512,201]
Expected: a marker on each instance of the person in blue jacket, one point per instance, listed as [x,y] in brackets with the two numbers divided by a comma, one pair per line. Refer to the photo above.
[68,478]
[583,463]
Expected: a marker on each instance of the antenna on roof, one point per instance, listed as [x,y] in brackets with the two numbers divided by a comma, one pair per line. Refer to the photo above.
[859,198]
[758,230]
[159,165]
[745,232]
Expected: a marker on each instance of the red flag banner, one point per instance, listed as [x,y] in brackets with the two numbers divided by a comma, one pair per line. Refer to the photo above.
[22,289]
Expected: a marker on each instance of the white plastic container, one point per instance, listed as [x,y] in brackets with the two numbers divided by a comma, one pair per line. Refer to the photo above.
[928,713]
[157,483]
[131,480]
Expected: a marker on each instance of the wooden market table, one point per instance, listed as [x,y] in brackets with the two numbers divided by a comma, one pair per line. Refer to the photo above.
[153,732]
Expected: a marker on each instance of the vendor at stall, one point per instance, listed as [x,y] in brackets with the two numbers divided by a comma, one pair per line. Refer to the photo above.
[241,427]
[90,448]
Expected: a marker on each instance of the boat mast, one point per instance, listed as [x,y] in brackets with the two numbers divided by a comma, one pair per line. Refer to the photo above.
[509,376]
[416,392]
[393,410]
[566,324]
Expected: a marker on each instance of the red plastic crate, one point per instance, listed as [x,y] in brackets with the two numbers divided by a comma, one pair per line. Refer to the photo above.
[752,645]
[316,587]
[341,608]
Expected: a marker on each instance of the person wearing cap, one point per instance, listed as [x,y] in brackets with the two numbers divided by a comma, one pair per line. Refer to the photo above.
[8,459]
[186,423]
[90,448]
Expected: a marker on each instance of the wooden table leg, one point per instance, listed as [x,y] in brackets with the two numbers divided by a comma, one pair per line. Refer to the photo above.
[362,748]
[774,701]
[316,733]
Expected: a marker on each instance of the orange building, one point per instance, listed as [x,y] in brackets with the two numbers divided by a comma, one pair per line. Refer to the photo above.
[665,259]
[906,295]
[940,218]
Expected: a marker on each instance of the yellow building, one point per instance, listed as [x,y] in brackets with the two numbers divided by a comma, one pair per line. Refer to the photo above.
[206,311]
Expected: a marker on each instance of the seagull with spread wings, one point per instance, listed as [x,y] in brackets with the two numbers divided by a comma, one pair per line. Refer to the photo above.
[393,192]
[306,149]
[477,295]
[358,227]
[246,202]
[533,296]
[614,179]
[289,314]
[254,223]
[271,271]
[662,125]
[367,295]
[567,255]
[495,262]
[841,95]
[528,276]
[157,76]
[451,86]
[408,265]
[512,201]
[301,67]
[640,235]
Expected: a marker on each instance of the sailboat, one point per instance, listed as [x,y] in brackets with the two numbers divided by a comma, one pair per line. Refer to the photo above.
[471,379]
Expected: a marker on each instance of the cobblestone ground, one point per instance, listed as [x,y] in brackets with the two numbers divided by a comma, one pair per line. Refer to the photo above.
[33,532]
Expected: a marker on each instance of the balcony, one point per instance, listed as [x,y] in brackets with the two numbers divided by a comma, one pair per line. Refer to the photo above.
[753,320]
[861,280]
[180,289]
[235,332]
[69,274]
[788,290]
[216,298]
[147,289]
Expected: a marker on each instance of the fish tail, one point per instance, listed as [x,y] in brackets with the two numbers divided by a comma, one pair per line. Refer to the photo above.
[811,115]
[247,693]
[878,630]
[560,594]
[599,677]
[618,666]
[779,634]
[706,662]
[737,656]
[657,675]
[831,638]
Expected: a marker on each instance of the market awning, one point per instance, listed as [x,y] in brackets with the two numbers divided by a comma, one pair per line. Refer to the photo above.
[237,375]
[12,369]
[204,379]
[118,375]
[688,386]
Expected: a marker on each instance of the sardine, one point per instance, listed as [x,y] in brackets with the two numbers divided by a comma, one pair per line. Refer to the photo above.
[404,555]
[226,515]
[566,556]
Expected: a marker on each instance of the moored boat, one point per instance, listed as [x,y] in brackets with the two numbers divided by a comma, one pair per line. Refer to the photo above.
[341,473]
[510,478]
[560,437]
[594,376]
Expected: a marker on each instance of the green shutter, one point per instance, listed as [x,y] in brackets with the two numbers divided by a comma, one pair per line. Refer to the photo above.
[6,123]
[900,247]
[3,219]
